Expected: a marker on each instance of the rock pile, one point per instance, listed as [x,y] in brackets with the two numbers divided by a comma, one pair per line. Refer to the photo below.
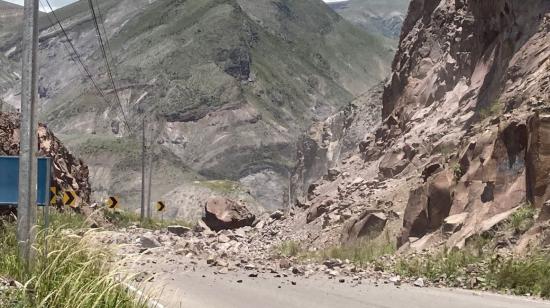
[69,173]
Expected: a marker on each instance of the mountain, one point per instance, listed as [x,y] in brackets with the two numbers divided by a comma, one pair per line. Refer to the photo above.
[455,147]
[384,17]
[10,19]
[228,87]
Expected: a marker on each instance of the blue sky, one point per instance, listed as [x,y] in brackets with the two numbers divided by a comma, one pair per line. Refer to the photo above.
[59,3]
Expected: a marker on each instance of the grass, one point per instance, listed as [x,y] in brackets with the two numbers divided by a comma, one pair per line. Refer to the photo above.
[445,265]
[523,219]
[289,249]
[457,171]
[72,274]
[222,186]
[459,268]
[493,109]
[360,253]
[124,219]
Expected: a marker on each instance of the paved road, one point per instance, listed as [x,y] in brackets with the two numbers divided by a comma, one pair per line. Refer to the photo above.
[204,289]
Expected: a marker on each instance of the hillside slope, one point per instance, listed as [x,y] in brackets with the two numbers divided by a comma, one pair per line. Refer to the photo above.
[233,82]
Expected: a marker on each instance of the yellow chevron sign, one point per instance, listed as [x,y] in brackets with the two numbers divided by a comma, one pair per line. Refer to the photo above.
[112,202]
[161,206]
[53,195]
[69,198]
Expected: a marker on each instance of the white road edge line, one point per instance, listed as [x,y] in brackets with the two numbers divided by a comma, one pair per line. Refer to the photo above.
[152,303]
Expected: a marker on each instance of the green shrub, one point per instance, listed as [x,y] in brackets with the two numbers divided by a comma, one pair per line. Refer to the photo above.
[523,219]
[289,249]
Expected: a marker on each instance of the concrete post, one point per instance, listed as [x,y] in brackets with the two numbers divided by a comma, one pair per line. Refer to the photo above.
[27,207]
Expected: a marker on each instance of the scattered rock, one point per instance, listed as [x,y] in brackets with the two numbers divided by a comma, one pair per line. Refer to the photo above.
[277,215]
[148,241]
[178,230]
[419,283]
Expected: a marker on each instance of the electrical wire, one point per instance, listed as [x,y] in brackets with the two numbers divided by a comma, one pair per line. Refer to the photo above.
[104,54]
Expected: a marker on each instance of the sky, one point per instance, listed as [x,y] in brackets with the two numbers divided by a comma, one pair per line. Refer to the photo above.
[59,3]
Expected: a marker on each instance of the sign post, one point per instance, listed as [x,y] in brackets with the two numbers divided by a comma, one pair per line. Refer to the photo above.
[160,208]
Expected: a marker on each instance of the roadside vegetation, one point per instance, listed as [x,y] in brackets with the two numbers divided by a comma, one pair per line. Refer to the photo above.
[125,219]
[361,253]
[69,274]
[480,265]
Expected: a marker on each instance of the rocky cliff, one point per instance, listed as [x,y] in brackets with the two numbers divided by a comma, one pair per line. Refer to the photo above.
[462,144]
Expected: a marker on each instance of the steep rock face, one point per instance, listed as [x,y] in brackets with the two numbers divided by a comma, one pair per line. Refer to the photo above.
[69,173]
[460,147]
[327,142]
[460,63]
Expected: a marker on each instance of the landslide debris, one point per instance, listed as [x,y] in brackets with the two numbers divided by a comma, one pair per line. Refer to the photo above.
[69,172]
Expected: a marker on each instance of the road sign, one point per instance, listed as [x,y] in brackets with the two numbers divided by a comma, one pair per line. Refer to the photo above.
[69,198]
[53,195]
[9,181]
[161,206]
[112,202]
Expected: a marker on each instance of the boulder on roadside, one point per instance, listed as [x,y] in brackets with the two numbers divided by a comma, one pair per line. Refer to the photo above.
[223,213]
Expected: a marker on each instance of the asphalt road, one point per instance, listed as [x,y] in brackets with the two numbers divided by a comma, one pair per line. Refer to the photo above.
[204,289]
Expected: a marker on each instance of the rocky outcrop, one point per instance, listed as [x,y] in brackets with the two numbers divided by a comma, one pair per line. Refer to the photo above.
[326,143]
[69,172]
[463,140]
[368,225]
[222,213]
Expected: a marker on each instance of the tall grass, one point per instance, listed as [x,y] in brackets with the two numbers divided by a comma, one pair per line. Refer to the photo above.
[70,274]
[361,253]
[518,275]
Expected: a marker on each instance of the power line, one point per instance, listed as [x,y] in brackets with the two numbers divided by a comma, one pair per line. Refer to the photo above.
[106,38]
[76,54]
[104,53]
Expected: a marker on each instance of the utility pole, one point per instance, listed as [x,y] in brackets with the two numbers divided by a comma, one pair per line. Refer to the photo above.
[143,159]
[26,211]
[150,173]
[150,181]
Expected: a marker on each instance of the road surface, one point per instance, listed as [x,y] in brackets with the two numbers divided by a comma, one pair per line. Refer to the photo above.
[205,289]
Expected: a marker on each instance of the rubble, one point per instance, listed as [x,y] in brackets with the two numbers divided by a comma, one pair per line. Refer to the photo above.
[69,172]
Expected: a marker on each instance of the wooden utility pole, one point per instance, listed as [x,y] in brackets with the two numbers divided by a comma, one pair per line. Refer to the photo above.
[26,211]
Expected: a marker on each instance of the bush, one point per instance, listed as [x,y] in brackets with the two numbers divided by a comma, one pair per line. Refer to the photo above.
[69,274]
[523,219]
[289,249]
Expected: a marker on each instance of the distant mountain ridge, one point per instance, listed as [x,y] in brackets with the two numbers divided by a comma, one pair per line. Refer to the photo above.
[384,17]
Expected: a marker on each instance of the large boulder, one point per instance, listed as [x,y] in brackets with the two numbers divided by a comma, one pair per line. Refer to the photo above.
[427,207]
[368,225]
[221,213]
